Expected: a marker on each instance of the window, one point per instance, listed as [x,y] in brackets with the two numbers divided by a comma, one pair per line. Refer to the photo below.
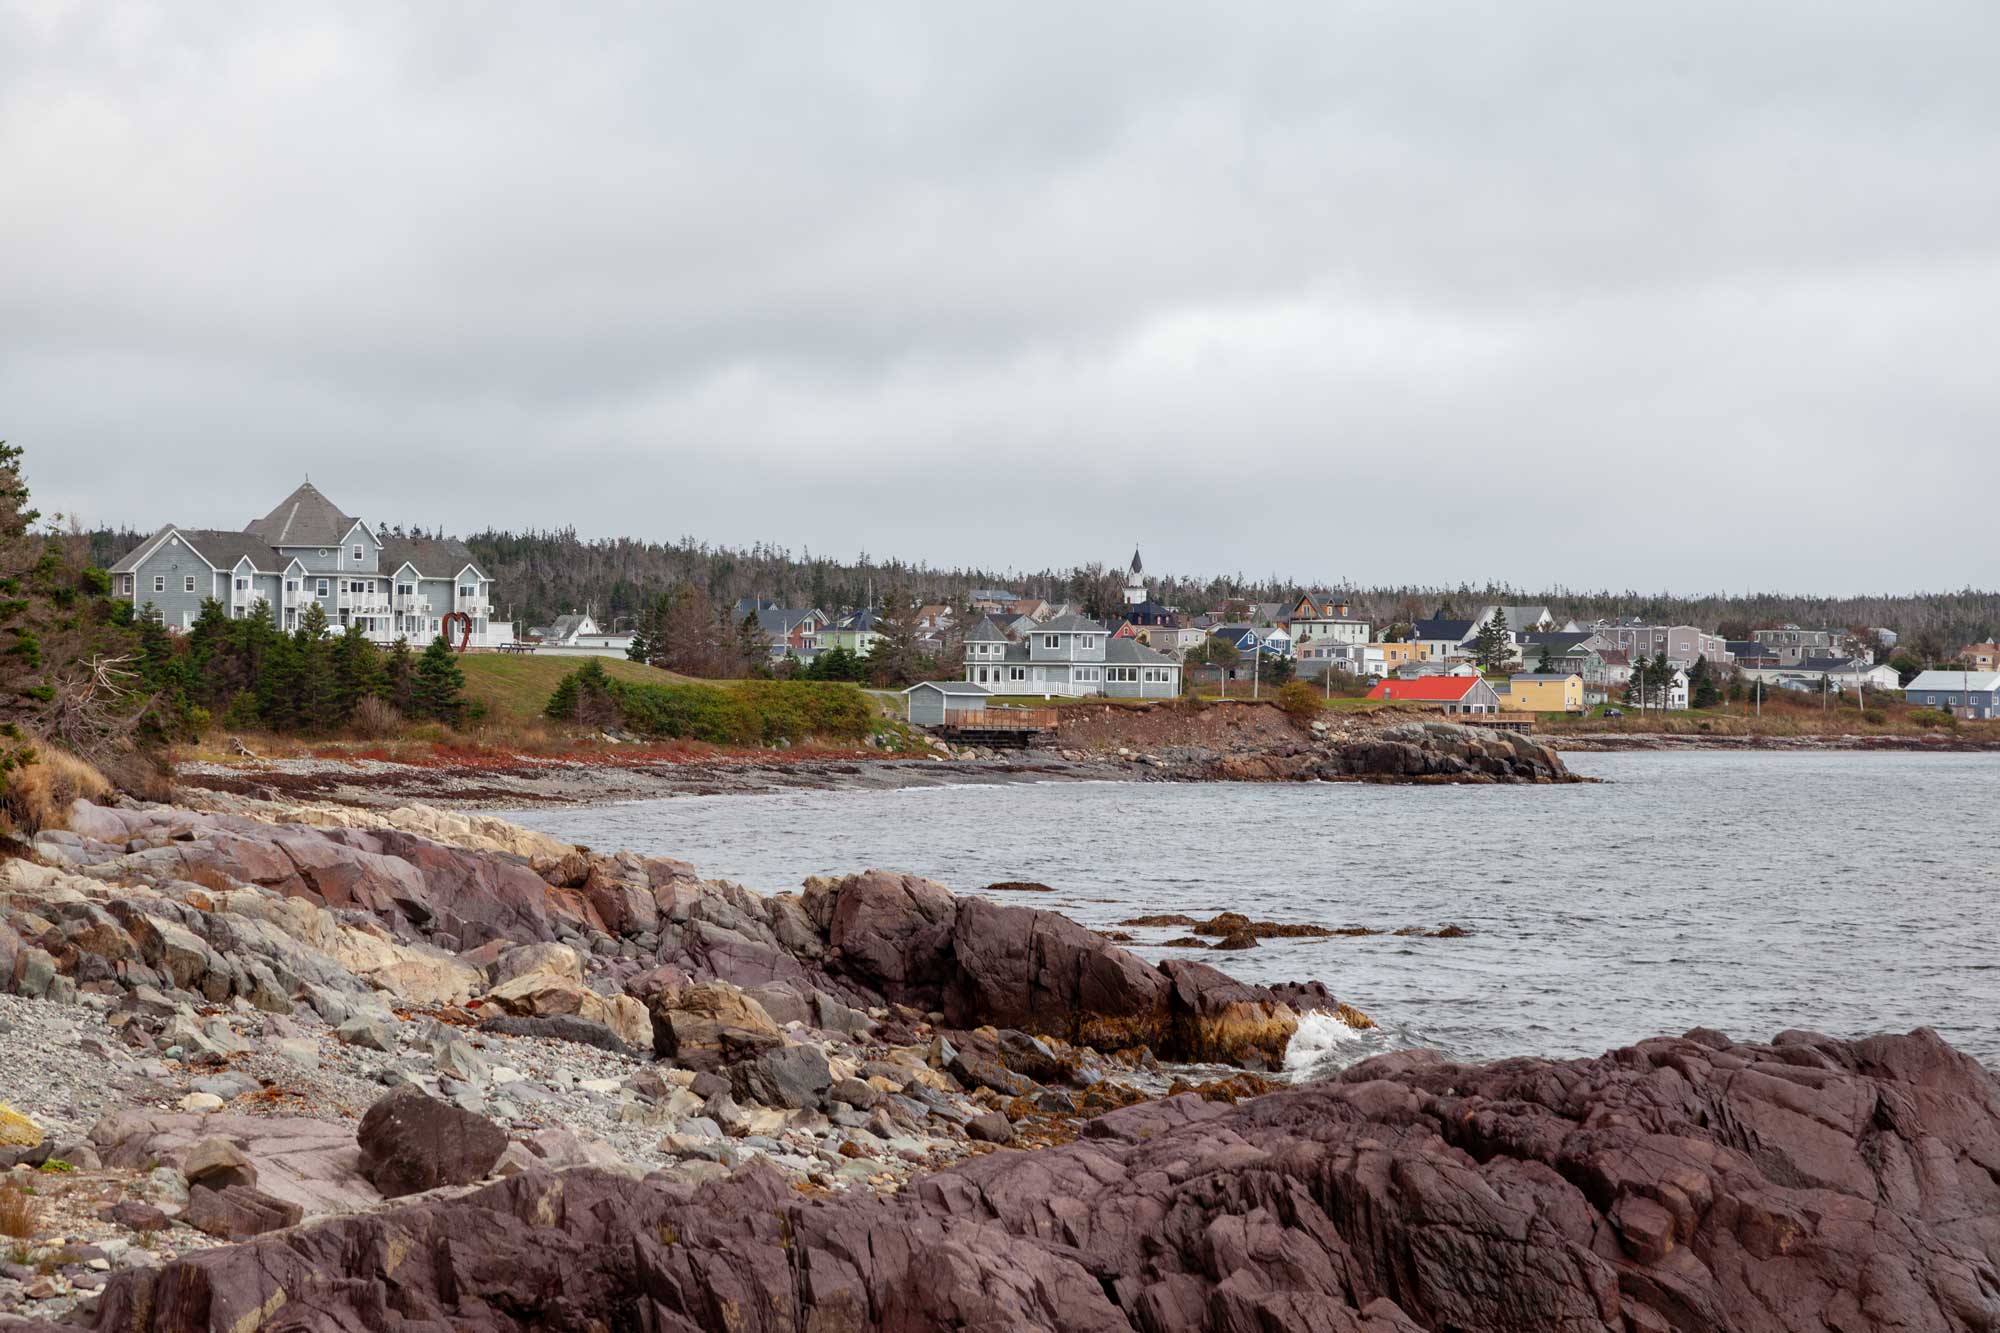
[242,585]
[1018,673]
[188,583]
[291,585]
[359,555]
[406,590]
[1089,642]
[1052,641]
[468,591]
[325,587]
[127,586]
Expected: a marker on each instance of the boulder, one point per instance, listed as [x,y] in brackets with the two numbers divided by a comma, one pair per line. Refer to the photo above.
[412,1142]
[238,1212]
[217,1163]
[710,1025]
[794,1077]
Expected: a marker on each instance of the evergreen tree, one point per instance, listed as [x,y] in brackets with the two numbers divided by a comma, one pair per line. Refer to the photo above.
[357,672]
[894,658]
[1545,659]
[1703,691]
[1491,647]
[314,687]
[399,676]
[753,650]
[439,687]
[1660,678]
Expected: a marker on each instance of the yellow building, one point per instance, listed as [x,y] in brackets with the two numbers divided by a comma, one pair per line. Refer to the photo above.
[1538,693]
[1399,654]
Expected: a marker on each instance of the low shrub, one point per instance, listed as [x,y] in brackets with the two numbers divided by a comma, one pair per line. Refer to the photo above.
[38,797]
[757,712]
[375,719]
[1300,700]
[1934,717]
[20,1212]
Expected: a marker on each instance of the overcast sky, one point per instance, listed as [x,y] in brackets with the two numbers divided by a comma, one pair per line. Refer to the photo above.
[1685,296]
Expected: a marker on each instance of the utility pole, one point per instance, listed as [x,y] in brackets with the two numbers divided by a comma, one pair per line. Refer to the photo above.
[1256,662]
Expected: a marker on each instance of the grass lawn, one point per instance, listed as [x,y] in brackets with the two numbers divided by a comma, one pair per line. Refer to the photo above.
[515,687]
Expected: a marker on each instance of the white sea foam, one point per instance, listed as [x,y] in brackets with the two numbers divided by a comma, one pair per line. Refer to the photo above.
[1321,1045]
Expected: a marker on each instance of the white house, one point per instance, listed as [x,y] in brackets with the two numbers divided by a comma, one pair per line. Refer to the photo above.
[1068,656]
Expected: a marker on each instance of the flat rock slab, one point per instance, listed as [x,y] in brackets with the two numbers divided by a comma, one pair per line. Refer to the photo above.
[312,1163]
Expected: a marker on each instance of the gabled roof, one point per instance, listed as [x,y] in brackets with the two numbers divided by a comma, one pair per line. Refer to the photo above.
[986,632]
[219,548]
[779,620]
[1457,631]
[1955,680]
[949,687]
[1427,689]
[435,557]
[1130,652]
[1071,624]
[303,518]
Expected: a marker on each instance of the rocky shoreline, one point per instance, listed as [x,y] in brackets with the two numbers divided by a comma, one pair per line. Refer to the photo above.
[1611,742]
[1239,742]
[281,1066]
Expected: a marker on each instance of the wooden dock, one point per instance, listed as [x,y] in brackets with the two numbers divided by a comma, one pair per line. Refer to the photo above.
[1014,728]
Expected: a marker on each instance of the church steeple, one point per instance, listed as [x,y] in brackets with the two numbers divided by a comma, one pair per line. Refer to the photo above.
[1135,582]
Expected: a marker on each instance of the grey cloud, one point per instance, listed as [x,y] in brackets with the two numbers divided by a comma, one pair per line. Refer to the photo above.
[1688,297]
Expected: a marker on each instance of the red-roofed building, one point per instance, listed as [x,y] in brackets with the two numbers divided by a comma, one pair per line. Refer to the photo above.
[1450,694]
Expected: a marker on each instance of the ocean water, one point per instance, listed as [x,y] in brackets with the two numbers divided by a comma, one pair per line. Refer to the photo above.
[1843,893]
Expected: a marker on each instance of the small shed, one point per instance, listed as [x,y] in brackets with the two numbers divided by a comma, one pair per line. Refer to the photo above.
[942,703]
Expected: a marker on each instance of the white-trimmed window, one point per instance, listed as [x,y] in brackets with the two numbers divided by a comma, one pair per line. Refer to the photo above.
[406,590]
[360,554]
[325,587]
[159,583]
[468,591]
[243,585]
[126,584]
[1052,641]
[1017,673]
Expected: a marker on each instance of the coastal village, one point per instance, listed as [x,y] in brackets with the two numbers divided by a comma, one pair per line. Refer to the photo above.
[1503,664]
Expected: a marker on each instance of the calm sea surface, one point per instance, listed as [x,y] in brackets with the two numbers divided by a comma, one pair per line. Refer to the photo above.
[1845,893]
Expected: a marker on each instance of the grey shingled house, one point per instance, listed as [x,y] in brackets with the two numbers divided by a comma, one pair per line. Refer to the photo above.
[1067,657]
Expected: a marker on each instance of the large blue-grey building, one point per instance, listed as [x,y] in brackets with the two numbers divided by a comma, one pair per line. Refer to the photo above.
[307,550]
[1966,693]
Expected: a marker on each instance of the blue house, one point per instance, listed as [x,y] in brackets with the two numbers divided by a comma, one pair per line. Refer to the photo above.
[308,550]
[1969,694]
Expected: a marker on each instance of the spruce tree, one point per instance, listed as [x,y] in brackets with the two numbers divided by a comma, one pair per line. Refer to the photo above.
[314,688]
[439,687]
[399,676]
[1491,647]
[357,672]
[753,649]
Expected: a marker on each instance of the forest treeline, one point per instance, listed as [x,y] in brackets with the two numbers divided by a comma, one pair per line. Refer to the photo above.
[540,575]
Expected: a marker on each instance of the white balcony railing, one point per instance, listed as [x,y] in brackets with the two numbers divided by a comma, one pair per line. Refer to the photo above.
[473,606]
[413,606]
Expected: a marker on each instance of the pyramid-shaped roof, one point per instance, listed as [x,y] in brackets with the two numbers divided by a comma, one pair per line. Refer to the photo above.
[303,518]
